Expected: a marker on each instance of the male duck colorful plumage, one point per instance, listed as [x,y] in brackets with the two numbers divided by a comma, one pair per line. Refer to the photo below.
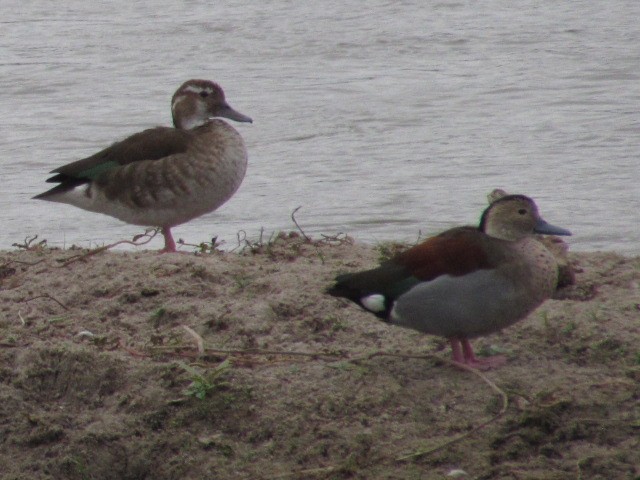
[465,282]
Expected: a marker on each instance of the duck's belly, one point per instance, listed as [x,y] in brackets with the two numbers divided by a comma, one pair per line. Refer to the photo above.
[167,213]
[475,304]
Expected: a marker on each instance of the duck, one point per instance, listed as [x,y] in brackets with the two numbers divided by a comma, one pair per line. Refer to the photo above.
[163,176]
[466,282]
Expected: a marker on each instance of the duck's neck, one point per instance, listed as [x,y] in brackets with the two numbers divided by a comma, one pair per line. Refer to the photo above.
[505,233]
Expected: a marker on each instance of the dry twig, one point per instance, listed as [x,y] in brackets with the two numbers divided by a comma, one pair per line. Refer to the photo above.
[478,373]
[50,297]
[136,241]
[308,472]
[28,244]
[480,426]
[295,222]
[196,337]
[221,351]
[421,453]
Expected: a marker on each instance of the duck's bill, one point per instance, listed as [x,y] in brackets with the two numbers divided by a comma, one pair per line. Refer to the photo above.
[227,112]
[545,228]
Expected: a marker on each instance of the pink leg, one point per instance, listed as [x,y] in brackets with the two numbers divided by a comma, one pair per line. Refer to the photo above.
[456,349]
[484,364]
[467,350]
[463,353]
[169,244]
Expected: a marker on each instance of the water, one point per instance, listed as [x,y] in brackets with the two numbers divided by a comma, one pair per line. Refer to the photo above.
[382,119]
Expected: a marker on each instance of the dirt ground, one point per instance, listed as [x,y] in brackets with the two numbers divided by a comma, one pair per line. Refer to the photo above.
[235,365]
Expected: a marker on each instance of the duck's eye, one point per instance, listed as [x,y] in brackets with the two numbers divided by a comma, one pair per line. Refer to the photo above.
[522,211]
[204,94]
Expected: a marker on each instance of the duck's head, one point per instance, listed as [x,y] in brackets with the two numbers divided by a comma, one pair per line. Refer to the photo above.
[513,217]
[197,101]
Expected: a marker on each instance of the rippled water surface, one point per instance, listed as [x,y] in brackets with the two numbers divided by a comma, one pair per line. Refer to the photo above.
[381,119]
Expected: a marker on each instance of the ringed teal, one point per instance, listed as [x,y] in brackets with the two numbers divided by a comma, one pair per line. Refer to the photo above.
[465,282]
[163,176]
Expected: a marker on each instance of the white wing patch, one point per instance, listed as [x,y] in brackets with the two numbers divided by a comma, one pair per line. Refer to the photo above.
[374,303]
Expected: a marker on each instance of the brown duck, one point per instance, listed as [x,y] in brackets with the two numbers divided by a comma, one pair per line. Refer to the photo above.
[163,177]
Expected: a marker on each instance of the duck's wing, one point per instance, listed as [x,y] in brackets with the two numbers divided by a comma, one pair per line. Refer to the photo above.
[151,144]
[456,252]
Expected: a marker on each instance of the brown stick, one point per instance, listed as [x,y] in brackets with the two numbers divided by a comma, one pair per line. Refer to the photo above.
[147,236]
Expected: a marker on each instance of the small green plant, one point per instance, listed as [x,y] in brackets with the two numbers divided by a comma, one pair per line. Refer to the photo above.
[203,383]
[546,323]
[597,314]
[387,250]
[212,246]
[242,281]
[163,316]
[569,328]
[337,323]
[75,466]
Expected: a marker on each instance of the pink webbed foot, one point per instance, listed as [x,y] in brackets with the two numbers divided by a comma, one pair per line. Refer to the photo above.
[169,244]
[463,354]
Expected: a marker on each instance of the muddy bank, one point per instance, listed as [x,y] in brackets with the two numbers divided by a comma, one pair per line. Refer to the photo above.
[134,365]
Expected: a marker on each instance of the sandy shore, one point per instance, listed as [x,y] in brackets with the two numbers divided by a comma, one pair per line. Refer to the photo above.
[132,365]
